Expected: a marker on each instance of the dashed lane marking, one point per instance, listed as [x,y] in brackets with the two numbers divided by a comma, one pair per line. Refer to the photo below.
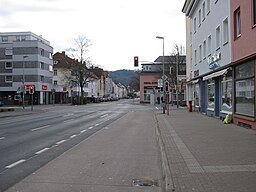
[72,136]
[83,131]
[60,142]
[39,128]
[90,128]
[41,151]
[15,164]
[68,120]
[2,138]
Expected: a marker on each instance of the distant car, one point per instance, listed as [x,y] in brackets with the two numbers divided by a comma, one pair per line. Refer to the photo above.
[1,103]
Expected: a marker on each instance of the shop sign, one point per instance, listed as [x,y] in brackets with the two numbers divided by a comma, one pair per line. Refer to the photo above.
[212,60]
[44,87]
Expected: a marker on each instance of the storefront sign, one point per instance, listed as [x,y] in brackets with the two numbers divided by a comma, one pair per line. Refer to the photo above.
[212,60]
[44,87]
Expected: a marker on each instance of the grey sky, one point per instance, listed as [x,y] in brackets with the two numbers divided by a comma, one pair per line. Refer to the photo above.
[118,29]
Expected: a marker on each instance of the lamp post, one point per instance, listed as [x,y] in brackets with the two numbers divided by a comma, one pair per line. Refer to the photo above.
[159,37]
[23,82]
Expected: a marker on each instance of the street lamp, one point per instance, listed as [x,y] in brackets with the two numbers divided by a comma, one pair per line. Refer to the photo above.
[23,81]
[159,37]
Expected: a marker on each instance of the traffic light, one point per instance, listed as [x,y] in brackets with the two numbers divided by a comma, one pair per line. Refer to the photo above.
[171,70]
[136,61]
[31,90]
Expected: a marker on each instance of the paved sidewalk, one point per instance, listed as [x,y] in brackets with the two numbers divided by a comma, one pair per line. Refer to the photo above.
[205,155]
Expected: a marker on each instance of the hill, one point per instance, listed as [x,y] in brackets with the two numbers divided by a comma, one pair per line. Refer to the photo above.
[123,76]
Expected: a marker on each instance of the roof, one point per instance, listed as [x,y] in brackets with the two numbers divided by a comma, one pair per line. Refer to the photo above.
[170,59]
[61,60]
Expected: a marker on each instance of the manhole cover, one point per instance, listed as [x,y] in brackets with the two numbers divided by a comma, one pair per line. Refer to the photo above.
[144,182]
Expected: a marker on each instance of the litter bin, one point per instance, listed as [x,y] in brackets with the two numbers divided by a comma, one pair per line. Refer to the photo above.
[190,106]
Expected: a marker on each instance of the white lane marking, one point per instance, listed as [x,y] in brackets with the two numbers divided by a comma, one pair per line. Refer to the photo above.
[96,124]
[39,128]
[69,114]
[72,136]
[15,164]
[157,108]
[59,142]
[41,151]
[103,115]
[83,131]
[2,138]
[90,128]
[68,120]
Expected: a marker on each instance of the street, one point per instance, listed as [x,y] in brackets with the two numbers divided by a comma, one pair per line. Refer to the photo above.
[28,142]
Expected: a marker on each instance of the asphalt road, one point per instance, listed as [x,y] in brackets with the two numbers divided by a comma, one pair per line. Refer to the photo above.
[28,142]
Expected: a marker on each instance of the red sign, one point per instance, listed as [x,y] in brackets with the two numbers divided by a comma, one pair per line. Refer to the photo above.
[44,87]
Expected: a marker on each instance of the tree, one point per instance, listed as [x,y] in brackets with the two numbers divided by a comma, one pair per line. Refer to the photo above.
[80,71]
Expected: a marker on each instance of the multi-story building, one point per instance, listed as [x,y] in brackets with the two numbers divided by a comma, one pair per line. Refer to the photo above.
[221,39]
[209,45]
[25,58]
[243,14]
[151,79]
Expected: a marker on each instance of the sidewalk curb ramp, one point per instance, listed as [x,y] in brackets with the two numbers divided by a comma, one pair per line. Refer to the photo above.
[166,174]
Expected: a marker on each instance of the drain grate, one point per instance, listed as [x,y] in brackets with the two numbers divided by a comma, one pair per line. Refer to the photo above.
[144,182]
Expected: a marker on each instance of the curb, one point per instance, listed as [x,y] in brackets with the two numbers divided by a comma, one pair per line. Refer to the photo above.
[6,109]
[168,185]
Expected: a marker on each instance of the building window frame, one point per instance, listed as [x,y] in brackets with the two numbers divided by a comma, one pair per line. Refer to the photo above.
[237,23]
[209,45]
[208,7]
[4,38]
[210,94]
[8,65]
[225,31]
[254,13]
[203,11]
[218,39]
[41,78]
[226,92]
[55,72]
[8,79]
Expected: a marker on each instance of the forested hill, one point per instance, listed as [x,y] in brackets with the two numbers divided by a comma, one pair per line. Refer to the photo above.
[123,76]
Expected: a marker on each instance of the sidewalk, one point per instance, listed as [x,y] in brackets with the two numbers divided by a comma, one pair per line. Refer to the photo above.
[205,155]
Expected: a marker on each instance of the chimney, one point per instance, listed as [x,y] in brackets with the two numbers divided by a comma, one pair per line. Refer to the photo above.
[63,52]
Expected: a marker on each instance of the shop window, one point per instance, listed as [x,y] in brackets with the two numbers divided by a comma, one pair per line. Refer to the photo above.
[226,92]
[244,85]
[211,94]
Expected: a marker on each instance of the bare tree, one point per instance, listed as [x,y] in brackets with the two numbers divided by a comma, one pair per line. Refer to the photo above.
[80,71]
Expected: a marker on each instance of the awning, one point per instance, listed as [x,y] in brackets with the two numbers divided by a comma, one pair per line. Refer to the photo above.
[216,74]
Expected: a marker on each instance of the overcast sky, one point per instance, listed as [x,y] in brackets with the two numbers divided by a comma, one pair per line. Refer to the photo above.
[118,29]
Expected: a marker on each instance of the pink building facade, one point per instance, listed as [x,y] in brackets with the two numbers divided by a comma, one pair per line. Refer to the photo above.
[148,85]
[243,31]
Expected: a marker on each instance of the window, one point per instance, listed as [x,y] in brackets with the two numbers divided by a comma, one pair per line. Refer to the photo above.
[204,49]
[203,11]
[199,17]
[41,78]
[8,51]
[244,89]
[8,79]
[225,31]
[18,38]
[200,53]
[55,82]
[4,38]
[42,65]
[196,95]
[50,68]
[8,65]
[195,25]
[23,38]
[218,37]
[42,52]
[209,45]
[208,6]
[254,11]
[195,57]
[55,73]
[237,22]
[226,92]
[211,92]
